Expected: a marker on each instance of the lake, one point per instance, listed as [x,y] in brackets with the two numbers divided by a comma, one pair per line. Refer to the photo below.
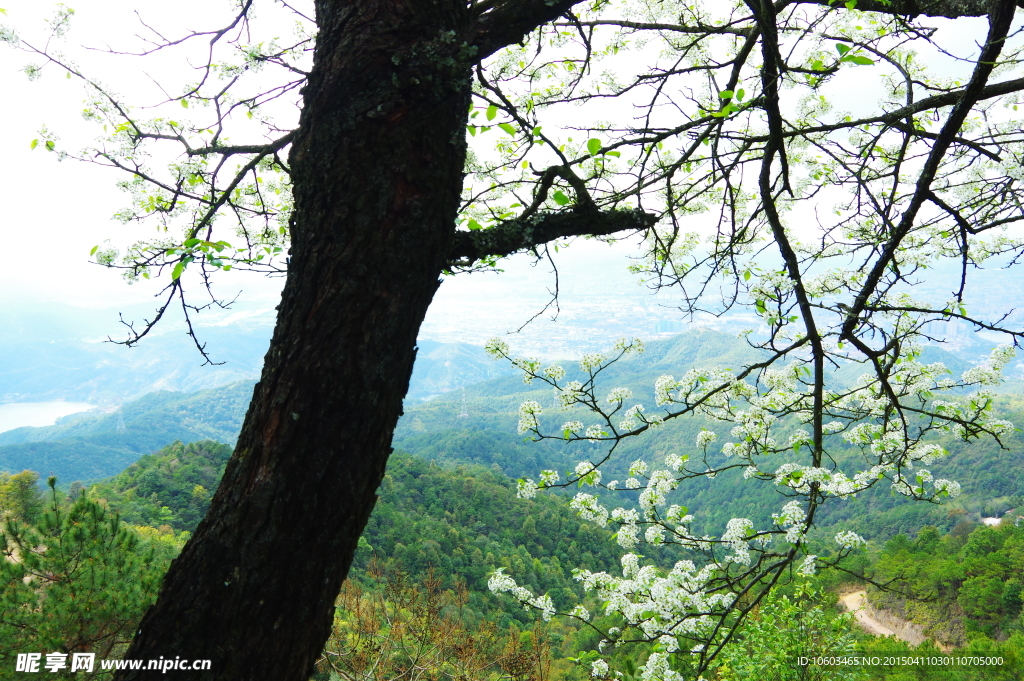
[18,414]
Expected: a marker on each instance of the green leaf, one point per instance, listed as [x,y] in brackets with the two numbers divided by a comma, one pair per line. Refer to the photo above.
[859,60]
[472,130]
[33,144]
[189,243]
[560,198]
[842,48]
[616,154]
[94,249]
[184,103]
[492,112]
[50,144]
[593,146]
[726,94]
[746,276]
[851,4]
[176,272]
[760,306]
[508,128]
[474,225]
[740,94]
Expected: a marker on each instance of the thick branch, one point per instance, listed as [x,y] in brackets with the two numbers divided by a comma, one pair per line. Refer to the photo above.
[524,233]
[511,21]
[950,9]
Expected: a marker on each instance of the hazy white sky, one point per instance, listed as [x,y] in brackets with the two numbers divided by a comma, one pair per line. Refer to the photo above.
[53,213]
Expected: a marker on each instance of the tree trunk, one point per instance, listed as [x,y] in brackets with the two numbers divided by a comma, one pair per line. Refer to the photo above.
[377,169]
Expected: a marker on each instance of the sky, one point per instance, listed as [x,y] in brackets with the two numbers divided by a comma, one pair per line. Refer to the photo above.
[55,212]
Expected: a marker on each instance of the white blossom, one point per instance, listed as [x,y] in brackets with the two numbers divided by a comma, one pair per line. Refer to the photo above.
[655,534]
[548,478]
[526,489]
[705,437]
[587,506]
[619,394]
[638,467]
[849,540]
[674,461]
[580,612]
[657,669]
[555,372]
[663,388]
[528,416]
[570,394]
[588,472]
[496,348]
[572,426]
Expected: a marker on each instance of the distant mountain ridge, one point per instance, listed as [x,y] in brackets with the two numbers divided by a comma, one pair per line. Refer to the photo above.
[481,429]
[101,443]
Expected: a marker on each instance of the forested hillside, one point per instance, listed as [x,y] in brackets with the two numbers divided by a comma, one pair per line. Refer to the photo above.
[93,446]
[991,476]
[440,530]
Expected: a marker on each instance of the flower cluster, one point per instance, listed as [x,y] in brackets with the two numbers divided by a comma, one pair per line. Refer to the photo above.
[526,489]
[499,582]
[570,394]
[705,437]
[528,416]
[792,520]
[555,372]
[548,478]
[588,473]
[665,607]
[849,540]
[617,395]
[496,348]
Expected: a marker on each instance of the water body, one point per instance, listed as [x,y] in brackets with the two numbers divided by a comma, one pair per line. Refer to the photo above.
[18,414]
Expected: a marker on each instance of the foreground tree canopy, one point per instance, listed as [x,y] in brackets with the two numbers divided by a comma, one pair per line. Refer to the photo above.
[439,136]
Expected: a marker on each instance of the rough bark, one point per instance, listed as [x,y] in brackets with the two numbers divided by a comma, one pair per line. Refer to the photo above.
[377,169]
[377,165]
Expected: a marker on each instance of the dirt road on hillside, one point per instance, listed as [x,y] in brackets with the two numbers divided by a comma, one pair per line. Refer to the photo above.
[854,602]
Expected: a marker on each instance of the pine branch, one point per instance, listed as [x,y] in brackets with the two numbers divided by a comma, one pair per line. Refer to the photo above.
[521,234]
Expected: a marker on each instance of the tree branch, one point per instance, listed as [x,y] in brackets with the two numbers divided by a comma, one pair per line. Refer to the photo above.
[520,234]
[507,22]
[950,9]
